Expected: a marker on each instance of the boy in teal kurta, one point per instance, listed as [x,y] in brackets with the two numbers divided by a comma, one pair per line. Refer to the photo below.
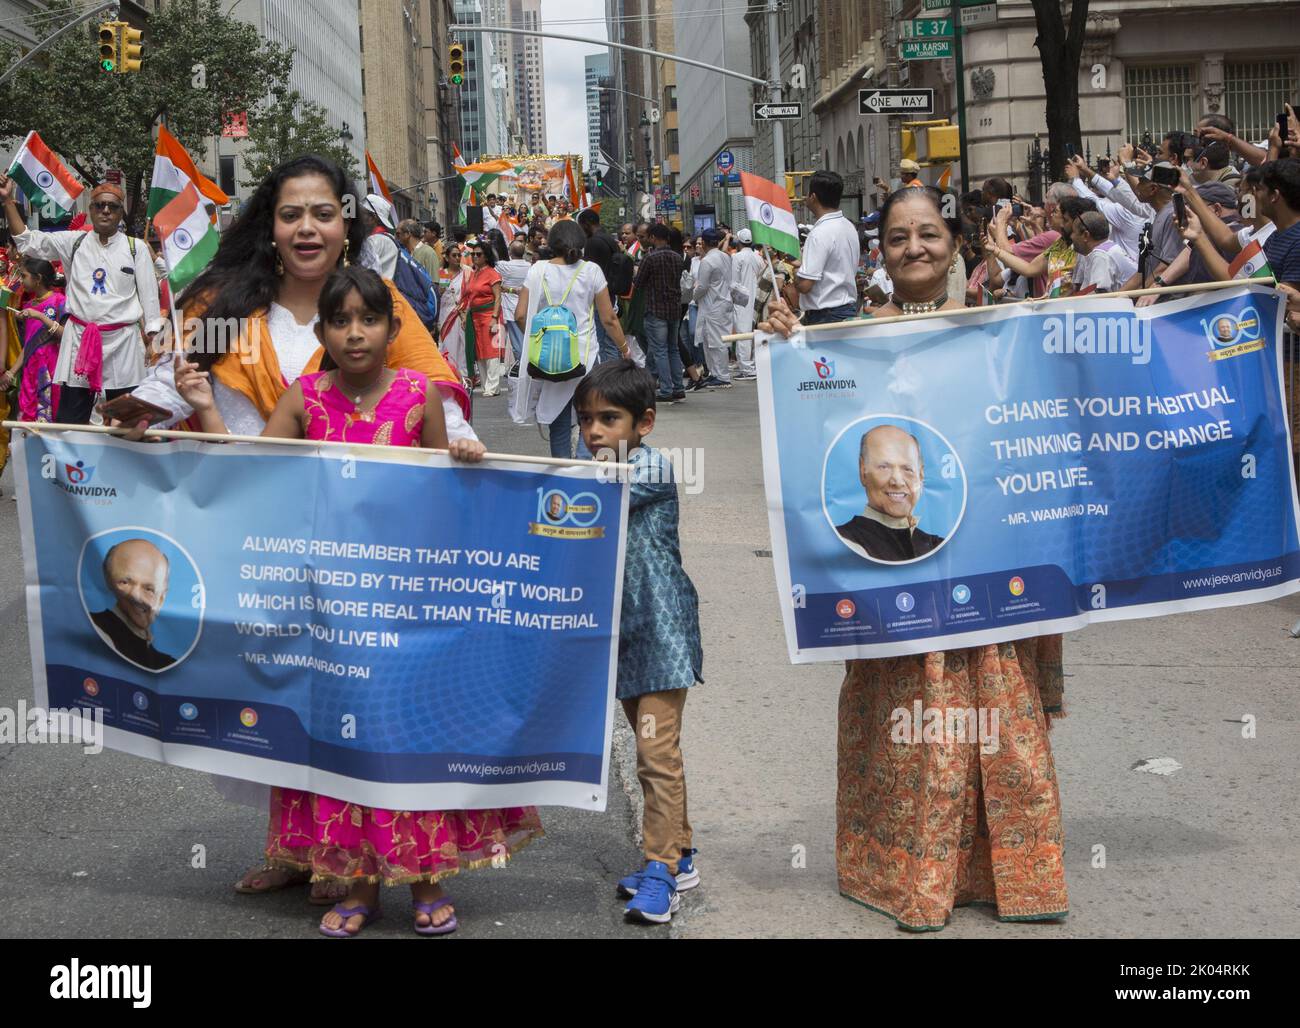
[659,650]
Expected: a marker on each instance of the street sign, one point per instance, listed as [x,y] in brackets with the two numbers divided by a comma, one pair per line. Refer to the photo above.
[729,179]
[725,160]
[777,112]
[937,5]
[975,15]
[925,49]
[895,101]
[927,28]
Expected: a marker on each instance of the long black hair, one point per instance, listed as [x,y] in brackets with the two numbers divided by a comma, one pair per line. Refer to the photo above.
[567,240]
[497,240]
[241,277]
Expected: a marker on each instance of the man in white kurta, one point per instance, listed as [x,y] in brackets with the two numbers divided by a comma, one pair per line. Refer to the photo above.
[746,266]
[716,311]
[108,284]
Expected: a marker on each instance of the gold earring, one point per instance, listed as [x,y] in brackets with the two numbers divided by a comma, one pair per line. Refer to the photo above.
[346,244]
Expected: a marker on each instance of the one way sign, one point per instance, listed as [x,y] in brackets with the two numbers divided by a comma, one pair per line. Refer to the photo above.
[895,101]
[777,112]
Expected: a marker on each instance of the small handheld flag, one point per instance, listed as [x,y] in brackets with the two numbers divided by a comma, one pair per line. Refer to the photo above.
[189,239]
[49,187]
[771,218]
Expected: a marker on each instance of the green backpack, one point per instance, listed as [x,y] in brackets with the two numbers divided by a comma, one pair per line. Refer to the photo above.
[554,349]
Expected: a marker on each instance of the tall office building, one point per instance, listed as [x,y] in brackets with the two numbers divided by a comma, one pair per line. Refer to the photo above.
[441,109]
[597,67]
[392,85]
[530,96]
[484,129]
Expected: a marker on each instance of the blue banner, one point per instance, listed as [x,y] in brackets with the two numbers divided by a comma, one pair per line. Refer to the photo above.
[379,625]
[1009,471]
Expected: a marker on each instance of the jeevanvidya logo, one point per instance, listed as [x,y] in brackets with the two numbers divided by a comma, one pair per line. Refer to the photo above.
[102,981]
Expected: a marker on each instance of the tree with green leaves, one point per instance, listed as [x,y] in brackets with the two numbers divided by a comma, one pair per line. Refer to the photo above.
[284,126]
[198,63]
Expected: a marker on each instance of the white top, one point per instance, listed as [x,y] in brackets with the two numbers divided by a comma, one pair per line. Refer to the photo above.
[830,259]
[379,254]
[1100,269]
[746,264]
[713,287]
[553,396]
[106,285]
[513,273]
[294,345]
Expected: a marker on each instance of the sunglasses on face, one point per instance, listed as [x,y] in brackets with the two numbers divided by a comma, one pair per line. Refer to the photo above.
[106,206]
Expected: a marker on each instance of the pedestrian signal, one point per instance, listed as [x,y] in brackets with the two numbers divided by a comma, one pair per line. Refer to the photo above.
[108,44]
[456,63]
[130,50]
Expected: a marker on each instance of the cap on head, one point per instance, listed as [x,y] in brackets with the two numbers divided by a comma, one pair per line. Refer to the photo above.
[108,189]
[381,209]
[909,165]
[745,236]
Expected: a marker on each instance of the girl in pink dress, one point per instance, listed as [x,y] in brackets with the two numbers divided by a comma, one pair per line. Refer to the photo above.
[359,400]
[38,396]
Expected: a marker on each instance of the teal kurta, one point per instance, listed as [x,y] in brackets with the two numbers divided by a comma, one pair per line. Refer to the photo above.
[659,634]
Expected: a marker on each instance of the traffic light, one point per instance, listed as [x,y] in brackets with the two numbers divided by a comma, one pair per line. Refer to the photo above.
[456,63]
[789,186]
[108,44]
[655,177]
[130,50]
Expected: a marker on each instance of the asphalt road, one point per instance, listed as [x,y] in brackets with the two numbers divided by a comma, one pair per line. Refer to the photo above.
[102,846]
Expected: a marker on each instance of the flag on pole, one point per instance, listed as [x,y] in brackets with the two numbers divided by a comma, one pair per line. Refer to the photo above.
[482,174]
[377,183]
[49,187]
[173,170]
[570,188]
[771,218]
[1250,263]
[189,239]
[946,177]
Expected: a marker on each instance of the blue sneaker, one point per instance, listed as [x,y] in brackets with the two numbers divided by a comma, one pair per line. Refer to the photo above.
[656,899]
[688,876]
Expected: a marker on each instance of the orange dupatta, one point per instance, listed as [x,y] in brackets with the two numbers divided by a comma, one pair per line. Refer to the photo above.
[254,369]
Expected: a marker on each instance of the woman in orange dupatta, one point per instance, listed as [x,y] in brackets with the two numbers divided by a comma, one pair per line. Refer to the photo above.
[926,826]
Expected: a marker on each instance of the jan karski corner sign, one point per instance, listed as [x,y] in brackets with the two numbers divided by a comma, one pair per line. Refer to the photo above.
[948,482]
[390,629]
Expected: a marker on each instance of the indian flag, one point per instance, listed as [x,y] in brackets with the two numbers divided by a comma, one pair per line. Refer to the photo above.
[771,218]
[481,174]
[173,170]
[189,239]
[1250,263]
[47,184]
[377,184]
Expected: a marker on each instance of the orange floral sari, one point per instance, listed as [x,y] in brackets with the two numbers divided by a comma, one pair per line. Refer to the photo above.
[923,826]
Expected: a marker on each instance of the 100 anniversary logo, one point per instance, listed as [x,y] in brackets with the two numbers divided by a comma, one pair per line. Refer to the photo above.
[1232,336]
[561,516]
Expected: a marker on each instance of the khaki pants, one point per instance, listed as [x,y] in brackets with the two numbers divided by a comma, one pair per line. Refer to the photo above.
[656,718]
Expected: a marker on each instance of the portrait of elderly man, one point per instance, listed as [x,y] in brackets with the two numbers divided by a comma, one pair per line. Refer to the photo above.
[893,474]
[136,573]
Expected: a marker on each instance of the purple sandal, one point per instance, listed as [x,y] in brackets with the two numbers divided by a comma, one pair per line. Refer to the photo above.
[346,912]
[448,926]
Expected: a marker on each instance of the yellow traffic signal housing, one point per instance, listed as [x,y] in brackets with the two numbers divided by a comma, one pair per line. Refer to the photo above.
[456,64]
[909,145]
[789,186]
[131,47]
[656,178]
[108,45]
[943,143]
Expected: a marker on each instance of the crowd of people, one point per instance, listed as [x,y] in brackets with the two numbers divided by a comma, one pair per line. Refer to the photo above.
[371,329]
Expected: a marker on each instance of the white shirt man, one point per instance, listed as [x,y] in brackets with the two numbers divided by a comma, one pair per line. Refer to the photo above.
[826,276]
[1126,221]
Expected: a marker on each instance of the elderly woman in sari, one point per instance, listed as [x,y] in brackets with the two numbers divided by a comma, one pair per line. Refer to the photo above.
[924,827]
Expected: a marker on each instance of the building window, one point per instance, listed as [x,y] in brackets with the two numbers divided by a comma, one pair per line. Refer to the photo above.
[227,176]
[1158,99]
[1253,93]
[672,98]
[670,142]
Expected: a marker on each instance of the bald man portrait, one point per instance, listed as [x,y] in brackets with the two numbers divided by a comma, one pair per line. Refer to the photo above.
[136,573]
[893,474]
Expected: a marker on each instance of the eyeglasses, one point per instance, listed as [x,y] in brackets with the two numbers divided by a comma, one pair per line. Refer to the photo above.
[105,206]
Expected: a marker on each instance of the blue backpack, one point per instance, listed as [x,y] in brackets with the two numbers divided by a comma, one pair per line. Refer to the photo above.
[414,283]
[554,350]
